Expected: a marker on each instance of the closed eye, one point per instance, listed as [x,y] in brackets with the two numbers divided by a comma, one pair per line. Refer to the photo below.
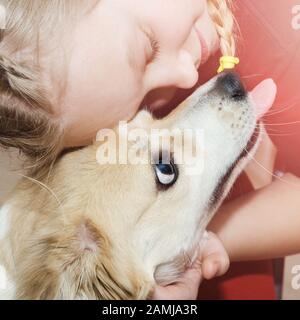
[155,47]
[155,50]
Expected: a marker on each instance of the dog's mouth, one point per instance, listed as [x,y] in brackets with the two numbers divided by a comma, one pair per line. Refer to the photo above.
[252,142]
[221,188]
[262,98]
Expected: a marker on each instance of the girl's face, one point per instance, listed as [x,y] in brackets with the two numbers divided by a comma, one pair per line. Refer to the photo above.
[122,51]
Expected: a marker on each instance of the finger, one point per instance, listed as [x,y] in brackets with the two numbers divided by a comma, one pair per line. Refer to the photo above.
[186,288]
[215,265]
[192,276]
[213,244]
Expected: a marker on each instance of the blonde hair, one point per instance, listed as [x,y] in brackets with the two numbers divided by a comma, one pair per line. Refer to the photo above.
[26,115]
[27,120]
[221,14]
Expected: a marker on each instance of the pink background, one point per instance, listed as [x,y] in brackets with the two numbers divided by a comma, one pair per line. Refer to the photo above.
[269,47]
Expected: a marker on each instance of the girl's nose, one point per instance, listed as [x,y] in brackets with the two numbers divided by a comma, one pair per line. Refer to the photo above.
[186,69]
[180,72]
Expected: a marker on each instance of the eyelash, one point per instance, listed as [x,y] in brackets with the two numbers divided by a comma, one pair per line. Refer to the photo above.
[156,49]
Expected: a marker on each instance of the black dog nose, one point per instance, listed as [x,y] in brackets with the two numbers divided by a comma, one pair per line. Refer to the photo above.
[230,83]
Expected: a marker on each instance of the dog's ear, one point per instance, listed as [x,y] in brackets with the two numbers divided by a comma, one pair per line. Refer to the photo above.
[57,262]
[87,237]
[72,263]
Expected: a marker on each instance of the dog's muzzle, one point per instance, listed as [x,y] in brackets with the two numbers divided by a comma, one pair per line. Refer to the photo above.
[230,85]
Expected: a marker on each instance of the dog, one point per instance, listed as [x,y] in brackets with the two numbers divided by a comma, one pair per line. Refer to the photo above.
[111,231]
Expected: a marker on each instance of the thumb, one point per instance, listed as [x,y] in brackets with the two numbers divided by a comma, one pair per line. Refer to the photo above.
[186,287]
[214,265]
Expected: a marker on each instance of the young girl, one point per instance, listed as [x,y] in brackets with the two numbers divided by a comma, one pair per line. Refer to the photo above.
[69,68]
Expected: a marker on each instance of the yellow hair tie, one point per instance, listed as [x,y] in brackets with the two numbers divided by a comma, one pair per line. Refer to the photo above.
[228,62]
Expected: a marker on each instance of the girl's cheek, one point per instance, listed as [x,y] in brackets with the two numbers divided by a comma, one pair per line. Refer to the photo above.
[209,32]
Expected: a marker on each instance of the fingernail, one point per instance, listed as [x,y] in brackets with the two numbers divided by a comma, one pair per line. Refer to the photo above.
[279,173]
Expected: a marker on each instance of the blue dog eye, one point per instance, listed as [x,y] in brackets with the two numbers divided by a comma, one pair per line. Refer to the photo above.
[166,173]
[165,169]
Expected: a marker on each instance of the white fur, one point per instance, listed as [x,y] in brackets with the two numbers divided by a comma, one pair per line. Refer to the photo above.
[3,278]
[7,287]
[4,220]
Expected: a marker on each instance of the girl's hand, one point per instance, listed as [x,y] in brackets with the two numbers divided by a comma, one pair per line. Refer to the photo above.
[213,262]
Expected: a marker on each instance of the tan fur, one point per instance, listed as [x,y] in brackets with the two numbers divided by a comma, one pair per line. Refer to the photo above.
[93,231]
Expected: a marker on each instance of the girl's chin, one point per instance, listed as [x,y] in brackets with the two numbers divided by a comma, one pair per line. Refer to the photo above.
[159,98]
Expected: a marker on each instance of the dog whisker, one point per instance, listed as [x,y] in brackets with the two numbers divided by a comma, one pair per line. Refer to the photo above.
[283,123]
[254,75]
[273,130]
[44,186]
[268,171]
[279,110]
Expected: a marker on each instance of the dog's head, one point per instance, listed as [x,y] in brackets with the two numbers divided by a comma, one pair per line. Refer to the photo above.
[141,218]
